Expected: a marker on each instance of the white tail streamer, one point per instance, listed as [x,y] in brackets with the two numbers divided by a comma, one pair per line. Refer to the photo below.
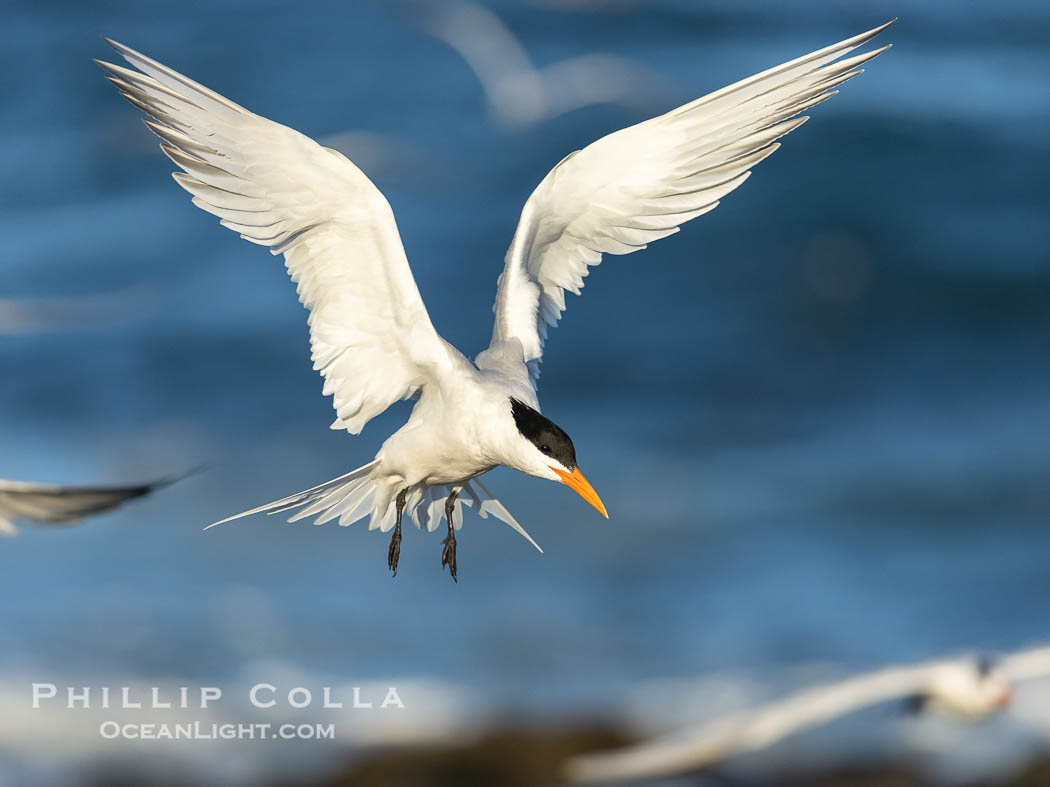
[358,494]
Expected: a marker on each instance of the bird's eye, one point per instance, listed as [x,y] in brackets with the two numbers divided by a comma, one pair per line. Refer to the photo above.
[546,449]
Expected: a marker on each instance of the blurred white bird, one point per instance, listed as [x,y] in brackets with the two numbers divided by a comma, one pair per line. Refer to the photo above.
[966,688]
[60,505]
[371,335]
[519,94]
[21,316]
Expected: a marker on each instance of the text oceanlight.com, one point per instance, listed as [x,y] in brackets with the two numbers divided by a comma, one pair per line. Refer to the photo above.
[198,731]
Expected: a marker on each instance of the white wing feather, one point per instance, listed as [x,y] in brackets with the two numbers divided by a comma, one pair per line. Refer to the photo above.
[641,183]
[746,731]
[370,334]
[1026,665]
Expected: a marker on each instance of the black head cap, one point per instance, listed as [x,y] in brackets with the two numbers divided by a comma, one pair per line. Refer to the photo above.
[543,433]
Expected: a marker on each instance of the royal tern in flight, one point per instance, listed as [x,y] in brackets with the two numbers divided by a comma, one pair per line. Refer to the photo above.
[964,688]
[60,505]
[518,93]
[371,336]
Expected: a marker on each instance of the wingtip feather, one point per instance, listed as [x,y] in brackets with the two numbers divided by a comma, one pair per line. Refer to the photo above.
[870,34]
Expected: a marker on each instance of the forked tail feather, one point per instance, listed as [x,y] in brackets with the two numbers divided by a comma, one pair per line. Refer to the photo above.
[358,494]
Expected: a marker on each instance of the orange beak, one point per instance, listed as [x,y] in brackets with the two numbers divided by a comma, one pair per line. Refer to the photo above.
[1003,700]
[582,487]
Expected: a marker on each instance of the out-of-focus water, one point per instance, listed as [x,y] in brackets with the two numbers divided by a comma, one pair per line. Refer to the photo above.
[818,416]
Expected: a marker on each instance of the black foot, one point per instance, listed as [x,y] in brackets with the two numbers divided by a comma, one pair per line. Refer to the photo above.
[395,540]
[395,549]
[448,555]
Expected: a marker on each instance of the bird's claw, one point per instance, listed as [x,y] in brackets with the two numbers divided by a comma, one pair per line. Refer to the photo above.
[394,553]
[448,556]
[395,540]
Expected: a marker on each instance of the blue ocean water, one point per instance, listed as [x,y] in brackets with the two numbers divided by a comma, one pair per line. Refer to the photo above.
[818,415]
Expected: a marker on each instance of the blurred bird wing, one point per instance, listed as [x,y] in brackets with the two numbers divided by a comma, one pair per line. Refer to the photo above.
[60,504]
[370,334]
[481,38]
[1025,665]
[822,704]
[598,78]
[641,183]
[752,730]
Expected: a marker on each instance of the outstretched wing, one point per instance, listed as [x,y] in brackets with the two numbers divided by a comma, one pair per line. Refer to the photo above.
[60,504]
[370,334]
[641,183]
[1025,664]
[709,744]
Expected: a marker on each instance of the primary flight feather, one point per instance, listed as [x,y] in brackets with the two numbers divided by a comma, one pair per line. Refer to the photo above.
[52,504]
[370,334]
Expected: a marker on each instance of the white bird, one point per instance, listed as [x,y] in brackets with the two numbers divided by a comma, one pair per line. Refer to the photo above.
[965,688]
[518,93]
[60,505]
[371,335]
[23,316]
